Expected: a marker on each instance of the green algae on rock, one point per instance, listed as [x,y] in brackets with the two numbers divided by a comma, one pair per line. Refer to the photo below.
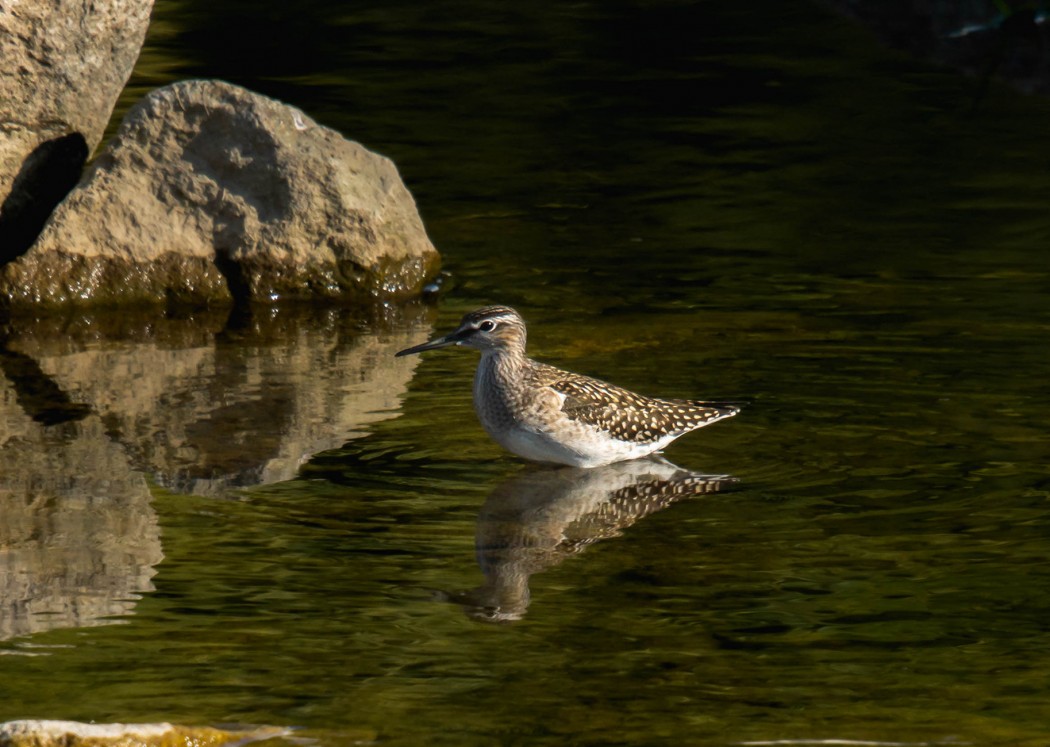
[63,278]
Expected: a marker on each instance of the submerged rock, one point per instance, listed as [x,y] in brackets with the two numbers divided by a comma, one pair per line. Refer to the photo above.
[1009,41]
[210,192]
[49,733]
[65,64]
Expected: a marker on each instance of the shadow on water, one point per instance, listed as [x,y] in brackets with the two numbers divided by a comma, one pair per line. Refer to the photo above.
[37,393]
[94,408]
[542,515]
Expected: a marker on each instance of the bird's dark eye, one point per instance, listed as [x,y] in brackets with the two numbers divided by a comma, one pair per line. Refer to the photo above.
[487,326]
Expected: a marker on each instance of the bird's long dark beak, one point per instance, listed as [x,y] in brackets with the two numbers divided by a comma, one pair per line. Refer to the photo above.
[438,342]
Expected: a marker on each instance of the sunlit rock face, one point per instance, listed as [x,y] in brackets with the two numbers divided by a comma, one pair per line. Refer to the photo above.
[65,64]
[210,192]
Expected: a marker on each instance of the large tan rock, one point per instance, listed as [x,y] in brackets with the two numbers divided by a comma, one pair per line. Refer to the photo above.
[64,65]
[209,190]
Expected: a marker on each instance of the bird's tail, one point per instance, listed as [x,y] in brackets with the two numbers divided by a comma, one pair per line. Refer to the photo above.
[728,406]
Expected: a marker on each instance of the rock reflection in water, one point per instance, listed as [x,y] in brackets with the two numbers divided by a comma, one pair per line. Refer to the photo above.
[204,403]
[543,515]
[93,405]
[78,536]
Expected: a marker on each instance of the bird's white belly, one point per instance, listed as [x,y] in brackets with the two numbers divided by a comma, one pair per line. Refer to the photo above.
[589,447]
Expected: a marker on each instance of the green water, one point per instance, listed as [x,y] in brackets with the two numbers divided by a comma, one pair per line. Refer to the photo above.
[275,521]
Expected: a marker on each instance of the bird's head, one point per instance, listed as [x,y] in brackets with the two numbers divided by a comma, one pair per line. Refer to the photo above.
[488,329]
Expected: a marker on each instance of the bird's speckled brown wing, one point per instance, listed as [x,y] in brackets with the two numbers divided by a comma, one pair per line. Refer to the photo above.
[625,415]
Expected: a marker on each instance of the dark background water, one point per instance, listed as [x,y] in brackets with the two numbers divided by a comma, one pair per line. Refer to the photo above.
[690,199]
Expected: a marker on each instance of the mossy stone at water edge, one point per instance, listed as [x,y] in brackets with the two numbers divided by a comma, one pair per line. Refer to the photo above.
[210,192]
[47,733]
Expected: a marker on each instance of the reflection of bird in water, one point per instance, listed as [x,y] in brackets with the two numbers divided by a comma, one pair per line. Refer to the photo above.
[541,516]
[548,415]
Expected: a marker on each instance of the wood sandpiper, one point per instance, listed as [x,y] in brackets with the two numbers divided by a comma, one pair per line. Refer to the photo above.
[544,414]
